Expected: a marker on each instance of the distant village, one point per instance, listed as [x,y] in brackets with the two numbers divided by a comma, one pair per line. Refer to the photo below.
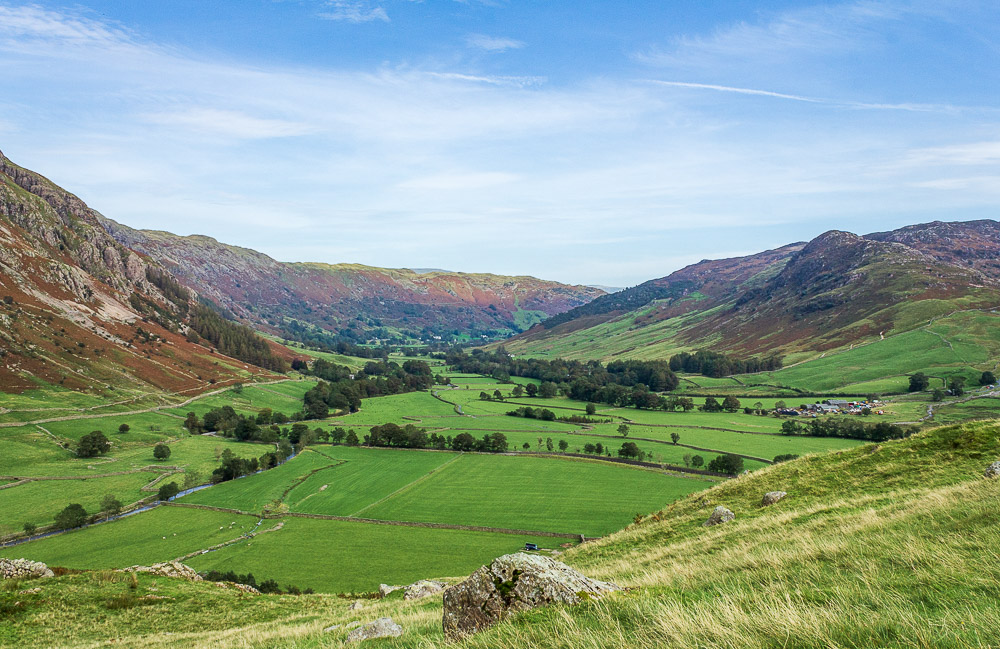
[836,406]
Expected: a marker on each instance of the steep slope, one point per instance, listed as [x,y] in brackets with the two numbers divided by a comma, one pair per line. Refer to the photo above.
[838,290]
[889,545]
[82,311]
[351,300]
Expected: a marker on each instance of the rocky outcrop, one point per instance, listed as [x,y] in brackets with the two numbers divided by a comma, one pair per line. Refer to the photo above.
[720,515]
[384,590]
[423,588]
[772,497]
[383,627]
[993,470]
[23,569]
[168,569]
[512,583]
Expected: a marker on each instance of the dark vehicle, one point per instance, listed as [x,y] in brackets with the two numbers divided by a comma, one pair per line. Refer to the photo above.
[530,546]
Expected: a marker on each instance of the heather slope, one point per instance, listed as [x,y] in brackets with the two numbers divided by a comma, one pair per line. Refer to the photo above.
[353,300]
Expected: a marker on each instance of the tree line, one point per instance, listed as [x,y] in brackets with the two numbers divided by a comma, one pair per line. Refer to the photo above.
[409,436]
[338,390]
[717,365]
[847,428]
[234,339]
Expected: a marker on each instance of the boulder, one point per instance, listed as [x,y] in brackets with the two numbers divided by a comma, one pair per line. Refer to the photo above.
[383,627]
[772,497]
[512,583]
[355,605]
[993,470]
[423,588]
[23,569]
[173,569]
[385,589]
[720,515]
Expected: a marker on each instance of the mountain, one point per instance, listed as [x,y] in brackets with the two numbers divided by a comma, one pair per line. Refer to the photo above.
[80,310]
[351,300]
[838,290]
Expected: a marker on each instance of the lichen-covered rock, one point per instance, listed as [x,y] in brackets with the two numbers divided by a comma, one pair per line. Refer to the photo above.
[385,589]
[23,569]
[423,588]
[993,470]
[173,569]
[719,515]
[772,497]
[512,583]
[383,627]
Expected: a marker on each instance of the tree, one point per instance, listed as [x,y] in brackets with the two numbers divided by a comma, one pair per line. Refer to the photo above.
[110,506]
[547,390]
[730,404]
[30,528]
[548,444]
[73,515]
[124,428]
[192,424]
[987,378]
[591,409]
[758,407]
[623,430]
[789,427]
[918,382]
[686,403]
[674,437]
[563,445]
[687,459]
[526,446]
[780,405]
[629,450]
[957,386]
[937,395]
[191,479]
[352,438]
[237,388]
[531,389]
[168,491]
[161,451]
[517,391]
[728,463]
[599,448]
[93,444]
[697,461]
[498,395]
[711,405]
[866,411]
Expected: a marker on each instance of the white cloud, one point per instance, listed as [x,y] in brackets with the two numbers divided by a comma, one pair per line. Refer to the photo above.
[353,12]
[228,123]
[459,180]
[742,91]
[493,43]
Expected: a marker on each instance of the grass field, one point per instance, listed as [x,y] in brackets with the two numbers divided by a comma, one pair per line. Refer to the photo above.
[553,495]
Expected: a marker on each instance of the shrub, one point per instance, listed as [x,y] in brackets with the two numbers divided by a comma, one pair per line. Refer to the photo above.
[73,515]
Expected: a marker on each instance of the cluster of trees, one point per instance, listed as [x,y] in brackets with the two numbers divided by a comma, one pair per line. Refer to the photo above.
[234,339]
[847,428]
[718,365]
[93,444]
[409,436]
[728,463]
[956,384]
[620,383]
[233,467]
[729,404]
[533,413]
[266,586]
[338,390]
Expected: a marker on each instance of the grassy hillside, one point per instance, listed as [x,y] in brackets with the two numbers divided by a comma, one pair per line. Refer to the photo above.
[890,545]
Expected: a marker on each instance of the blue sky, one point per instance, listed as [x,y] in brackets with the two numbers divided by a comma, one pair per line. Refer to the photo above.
[587,142]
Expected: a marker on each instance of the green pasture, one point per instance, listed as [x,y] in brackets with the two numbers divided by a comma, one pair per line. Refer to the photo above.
[362,477]
[986,408]
[39,502]
[145,427]
[251,493]
[339,556]
[547,494]
[161,534]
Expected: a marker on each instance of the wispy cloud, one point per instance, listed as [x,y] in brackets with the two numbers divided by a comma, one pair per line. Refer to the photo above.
[741,91]
[493,43]
[229,123]
[353,12]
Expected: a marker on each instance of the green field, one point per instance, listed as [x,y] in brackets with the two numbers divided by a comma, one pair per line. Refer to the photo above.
[553,495]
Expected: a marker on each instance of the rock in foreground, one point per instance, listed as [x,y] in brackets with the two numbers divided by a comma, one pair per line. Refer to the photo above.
[383,627]
[720,515]
[512,583]
[772,497]
[23,569]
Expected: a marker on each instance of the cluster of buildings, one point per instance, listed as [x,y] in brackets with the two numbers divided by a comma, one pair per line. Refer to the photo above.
[835,406]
